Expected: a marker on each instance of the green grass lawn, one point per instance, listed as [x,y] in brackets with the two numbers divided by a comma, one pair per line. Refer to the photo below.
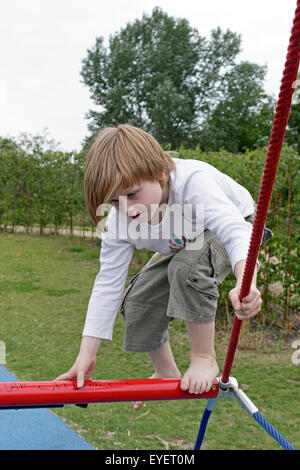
[45,285]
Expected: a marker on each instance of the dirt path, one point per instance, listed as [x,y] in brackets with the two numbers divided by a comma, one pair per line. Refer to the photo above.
[50,230]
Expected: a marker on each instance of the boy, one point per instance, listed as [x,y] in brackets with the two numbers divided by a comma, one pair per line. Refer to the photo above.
[196,219]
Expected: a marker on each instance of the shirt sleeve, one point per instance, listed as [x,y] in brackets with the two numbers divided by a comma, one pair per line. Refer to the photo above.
[220,215]
[115,257]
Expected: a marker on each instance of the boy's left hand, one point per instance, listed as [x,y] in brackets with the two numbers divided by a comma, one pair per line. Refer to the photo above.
[250,305]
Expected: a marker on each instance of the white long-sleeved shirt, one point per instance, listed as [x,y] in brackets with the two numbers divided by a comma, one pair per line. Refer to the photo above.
[200,197]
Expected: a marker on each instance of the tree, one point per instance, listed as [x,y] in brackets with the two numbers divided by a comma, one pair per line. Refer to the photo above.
[158,73]
[147,77]
[37,143]
[8,144]
[242,119]
[293,127]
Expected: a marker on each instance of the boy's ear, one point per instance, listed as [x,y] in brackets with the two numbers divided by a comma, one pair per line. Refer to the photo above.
[162,175]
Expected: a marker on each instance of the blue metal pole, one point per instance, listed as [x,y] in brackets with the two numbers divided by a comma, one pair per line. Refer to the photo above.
[206,414]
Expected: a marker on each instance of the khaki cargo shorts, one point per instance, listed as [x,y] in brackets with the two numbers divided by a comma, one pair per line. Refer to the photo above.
[182,285]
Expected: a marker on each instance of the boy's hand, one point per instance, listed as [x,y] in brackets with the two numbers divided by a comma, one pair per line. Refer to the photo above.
[250,305]
[81,370]
[85,363]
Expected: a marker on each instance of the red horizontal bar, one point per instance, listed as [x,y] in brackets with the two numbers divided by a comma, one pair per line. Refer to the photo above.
[14,394]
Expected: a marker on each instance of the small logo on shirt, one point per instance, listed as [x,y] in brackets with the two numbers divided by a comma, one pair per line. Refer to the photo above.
[176,244]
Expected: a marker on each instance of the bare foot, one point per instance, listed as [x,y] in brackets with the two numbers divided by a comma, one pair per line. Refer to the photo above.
[138,404]
[200,375]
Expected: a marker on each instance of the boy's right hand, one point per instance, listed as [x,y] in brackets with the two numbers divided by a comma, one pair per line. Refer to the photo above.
[85,363]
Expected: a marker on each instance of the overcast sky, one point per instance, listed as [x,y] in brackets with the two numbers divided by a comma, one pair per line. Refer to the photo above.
[42,44]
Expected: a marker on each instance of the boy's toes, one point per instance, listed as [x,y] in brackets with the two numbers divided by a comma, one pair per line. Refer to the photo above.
[191,385]
[137,405]
[185,383]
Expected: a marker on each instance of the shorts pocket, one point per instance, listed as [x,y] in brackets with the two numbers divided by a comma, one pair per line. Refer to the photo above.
[127,290]
[200,275]
[219,260]
[267,234]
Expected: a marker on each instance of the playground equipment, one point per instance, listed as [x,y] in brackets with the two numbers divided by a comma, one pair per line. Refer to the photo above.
[15,395]
[52,394]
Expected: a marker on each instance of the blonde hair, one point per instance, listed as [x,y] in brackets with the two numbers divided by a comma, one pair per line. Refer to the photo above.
[121,157]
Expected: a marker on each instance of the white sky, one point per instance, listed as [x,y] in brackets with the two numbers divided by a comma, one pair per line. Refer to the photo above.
[42,44]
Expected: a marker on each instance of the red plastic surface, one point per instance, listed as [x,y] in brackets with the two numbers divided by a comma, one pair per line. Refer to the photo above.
[14,394]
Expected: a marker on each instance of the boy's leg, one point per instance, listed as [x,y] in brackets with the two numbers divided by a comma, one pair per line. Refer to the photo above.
[194,276]
[203,367]
[164,366]
[181,286]
[144,309]
[163,362]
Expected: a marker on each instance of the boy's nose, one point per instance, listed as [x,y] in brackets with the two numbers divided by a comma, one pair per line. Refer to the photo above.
[129,209]
[123,204]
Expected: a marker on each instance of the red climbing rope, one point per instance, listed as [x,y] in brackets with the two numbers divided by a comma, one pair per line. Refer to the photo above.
[268,178]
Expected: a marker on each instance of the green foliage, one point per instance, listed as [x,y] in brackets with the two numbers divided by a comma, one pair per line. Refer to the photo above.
[158,73]
[243,118]
[293,127]
[41,189]
[45,189]
[146,77]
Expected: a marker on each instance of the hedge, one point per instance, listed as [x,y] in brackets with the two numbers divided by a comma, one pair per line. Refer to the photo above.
[46,190]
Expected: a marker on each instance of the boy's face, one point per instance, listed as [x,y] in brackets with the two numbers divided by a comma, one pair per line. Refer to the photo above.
[142,200]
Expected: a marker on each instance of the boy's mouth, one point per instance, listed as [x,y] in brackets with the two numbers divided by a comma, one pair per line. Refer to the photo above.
[135,216]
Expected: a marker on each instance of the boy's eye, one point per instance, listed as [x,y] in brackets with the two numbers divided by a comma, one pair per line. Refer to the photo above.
[116,201]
